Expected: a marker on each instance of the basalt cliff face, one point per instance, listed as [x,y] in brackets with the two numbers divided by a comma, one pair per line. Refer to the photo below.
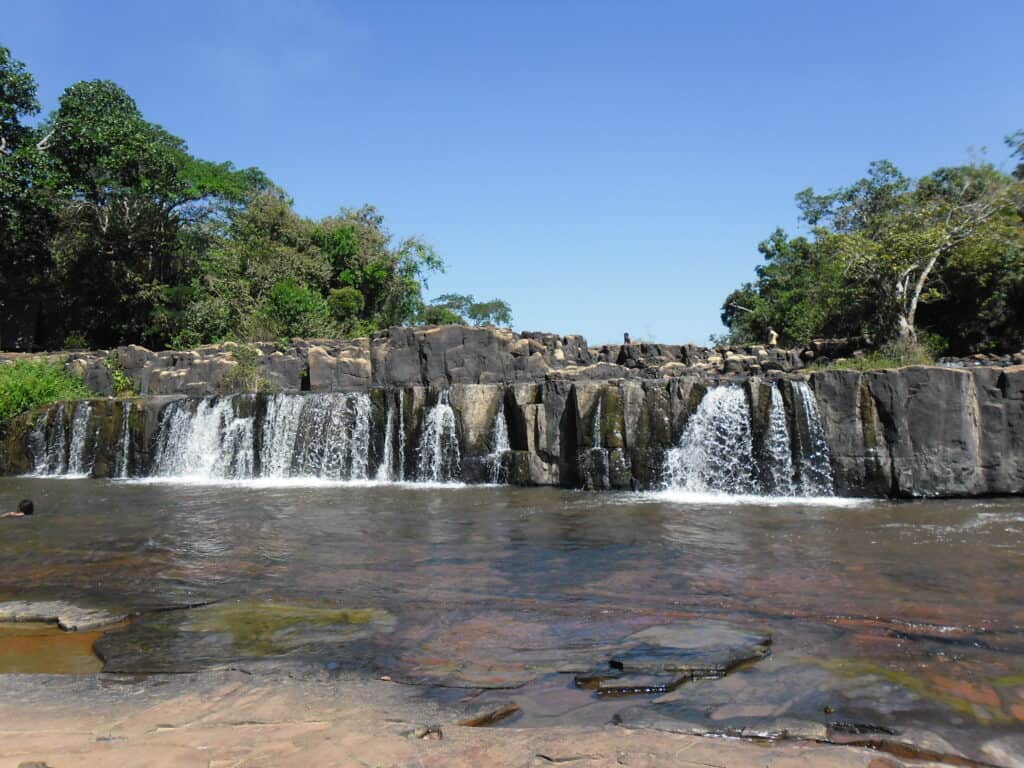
[490,405]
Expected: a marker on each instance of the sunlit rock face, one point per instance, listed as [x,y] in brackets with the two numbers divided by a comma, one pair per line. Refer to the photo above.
[423,404]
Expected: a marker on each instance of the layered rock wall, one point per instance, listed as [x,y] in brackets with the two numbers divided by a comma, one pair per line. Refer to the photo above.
[588,417]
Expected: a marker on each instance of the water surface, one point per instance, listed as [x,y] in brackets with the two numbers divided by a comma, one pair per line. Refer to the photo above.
[921,605]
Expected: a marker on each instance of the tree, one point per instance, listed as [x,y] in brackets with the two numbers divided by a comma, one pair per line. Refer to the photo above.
[389,276]
[1015,142]
[296,310]
[452,308]
[27,219]
[891,233]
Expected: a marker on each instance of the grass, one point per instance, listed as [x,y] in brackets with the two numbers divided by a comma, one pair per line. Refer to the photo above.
[897,354]
[28,384]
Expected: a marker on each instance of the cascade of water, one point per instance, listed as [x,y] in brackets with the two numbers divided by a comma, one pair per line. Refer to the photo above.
[394,433]
[401,438]
[500,446]
[815,465]
[779,450]
[385,470]
[595,428]
[333,437]
[211,442]
[47,444]
[438,457]
[280,429]
[715,452]
[78,449]
[124,453]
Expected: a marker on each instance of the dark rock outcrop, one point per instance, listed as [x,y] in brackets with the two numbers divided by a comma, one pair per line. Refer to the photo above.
[599,418]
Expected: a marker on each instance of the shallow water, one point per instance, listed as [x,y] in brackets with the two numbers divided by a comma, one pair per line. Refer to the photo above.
[493,586]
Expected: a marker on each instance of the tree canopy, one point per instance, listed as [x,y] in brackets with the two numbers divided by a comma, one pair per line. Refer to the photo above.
[112,232]
[938,259]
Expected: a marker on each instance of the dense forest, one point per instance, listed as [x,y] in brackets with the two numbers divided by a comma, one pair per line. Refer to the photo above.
[111,232]
[935,263]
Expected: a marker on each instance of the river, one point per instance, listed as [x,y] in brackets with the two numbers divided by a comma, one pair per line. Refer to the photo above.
[896,615]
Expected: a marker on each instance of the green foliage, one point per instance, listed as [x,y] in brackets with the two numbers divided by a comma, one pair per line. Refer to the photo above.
[438,315]
[121,235]
[896,354]
[123,384]
[246,375]
[890,256]
[28,384]
[346,304]
[1015,142]
[296,310]
[75,340]
[451,308]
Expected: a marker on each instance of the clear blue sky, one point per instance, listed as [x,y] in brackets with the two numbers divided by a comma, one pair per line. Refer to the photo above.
[603,166]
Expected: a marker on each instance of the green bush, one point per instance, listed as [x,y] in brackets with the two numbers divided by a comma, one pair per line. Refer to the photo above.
[296,310]
[246,375]
[28,384]
[346,303]
[897,354]
[123,384]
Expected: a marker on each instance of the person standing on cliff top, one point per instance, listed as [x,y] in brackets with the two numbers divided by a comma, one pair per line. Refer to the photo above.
[626,340]
[25,508]
[773,338]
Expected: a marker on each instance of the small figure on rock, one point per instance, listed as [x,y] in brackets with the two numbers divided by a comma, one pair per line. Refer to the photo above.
[626,340]
[25,507]
[773,338]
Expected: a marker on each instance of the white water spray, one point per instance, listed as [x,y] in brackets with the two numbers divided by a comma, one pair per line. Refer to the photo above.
[438,458]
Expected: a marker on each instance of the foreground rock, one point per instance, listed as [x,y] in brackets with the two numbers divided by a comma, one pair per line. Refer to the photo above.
[68,617]
[233,632]
[661,658]
[853,707]
[229,718]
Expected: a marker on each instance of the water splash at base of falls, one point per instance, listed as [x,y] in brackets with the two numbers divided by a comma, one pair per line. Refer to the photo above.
[438,456]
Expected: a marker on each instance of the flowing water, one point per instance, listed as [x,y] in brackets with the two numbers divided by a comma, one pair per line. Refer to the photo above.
[438,457]
[497,586]
[901,614]
[500,447]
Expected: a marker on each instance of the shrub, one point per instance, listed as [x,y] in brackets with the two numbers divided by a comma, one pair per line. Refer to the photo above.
[346,303]
[123,384]
[28,384]
[245,376]
[896,354]
[297,310]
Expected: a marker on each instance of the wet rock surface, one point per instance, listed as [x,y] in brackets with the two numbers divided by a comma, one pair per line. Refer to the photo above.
[661,658]
[67,616]
[235,632]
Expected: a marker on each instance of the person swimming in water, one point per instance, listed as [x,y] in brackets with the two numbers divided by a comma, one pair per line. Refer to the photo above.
[25,507]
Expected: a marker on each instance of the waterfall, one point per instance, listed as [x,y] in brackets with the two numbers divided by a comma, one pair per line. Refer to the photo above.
[387,471]
[814,462]
[716,450]
[78,449]
[438,456]
[595,428]
[500,447]
[47,444]
[124,453]
[778,447]
[209,442]
[333,437]
[280,431]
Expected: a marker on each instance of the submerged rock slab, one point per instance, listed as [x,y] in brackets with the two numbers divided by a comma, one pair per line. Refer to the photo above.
[661,658]
[67,616]
[866,707]
[225,633]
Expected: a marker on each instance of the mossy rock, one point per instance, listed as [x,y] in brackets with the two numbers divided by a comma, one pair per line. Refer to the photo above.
[229,632]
